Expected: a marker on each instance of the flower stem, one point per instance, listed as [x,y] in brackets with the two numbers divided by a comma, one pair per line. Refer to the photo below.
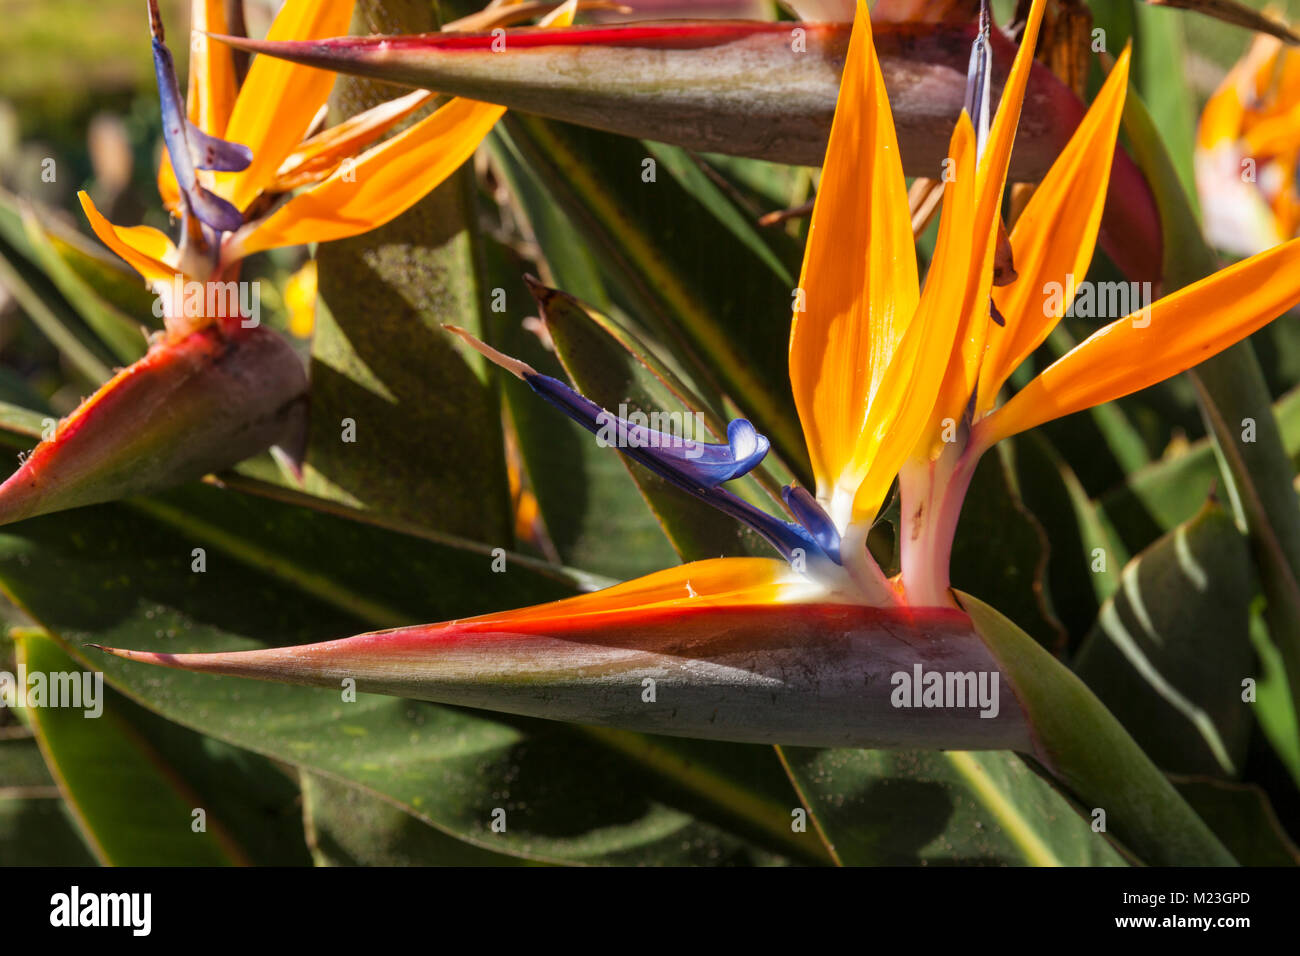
[932,493]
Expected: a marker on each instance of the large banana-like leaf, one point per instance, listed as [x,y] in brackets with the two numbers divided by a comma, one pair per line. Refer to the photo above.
[36,828]
[1094,759]
[962,807]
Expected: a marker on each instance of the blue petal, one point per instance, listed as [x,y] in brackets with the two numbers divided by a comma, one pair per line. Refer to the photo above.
[210,152]
[177,130]
[696,467]
[979,77]
[813,518]
[787,537]
[686,462]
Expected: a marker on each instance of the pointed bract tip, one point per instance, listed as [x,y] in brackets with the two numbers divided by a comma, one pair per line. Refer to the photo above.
[128,655]
[515,367]
[155,21]
[544,294]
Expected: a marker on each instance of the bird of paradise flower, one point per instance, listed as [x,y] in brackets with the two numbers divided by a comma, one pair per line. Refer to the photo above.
[245,171]
[235,163]
[892,380]
[1248,151]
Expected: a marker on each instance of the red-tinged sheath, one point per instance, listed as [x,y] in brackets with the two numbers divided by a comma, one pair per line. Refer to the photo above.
[191,406]
[824,675]
[763,90]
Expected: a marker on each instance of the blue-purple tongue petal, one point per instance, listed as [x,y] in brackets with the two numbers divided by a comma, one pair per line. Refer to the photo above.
[748,447]
[189,148]
[814,519]
[696,467]
[687,462]
[211,152]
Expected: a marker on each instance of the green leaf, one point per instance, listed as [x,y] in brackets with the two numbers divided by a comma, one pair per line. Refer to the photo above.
[907,808]
[664,254]
[1084,557]
[594,514]
[773,249]
[607,372]
[1243,818]
[107,278]
[746,782]
[35,826]
[426,444]
[21,421]
[563,258]
[997,523]
[123,336]
[131,810]
[334,559]
[50,314]
[1163,495]
[1274,709]
[774,185]
[1160,46]
[1092,757]
[348,826]
[1171,648]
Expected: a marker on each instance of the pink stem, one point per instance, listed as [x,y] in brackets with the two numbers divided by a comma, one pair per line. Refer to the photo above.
[932,495]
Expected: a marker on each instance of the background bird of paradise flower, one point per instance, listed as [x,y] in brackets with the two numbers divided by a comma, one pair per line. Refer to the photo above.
[1110,537]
